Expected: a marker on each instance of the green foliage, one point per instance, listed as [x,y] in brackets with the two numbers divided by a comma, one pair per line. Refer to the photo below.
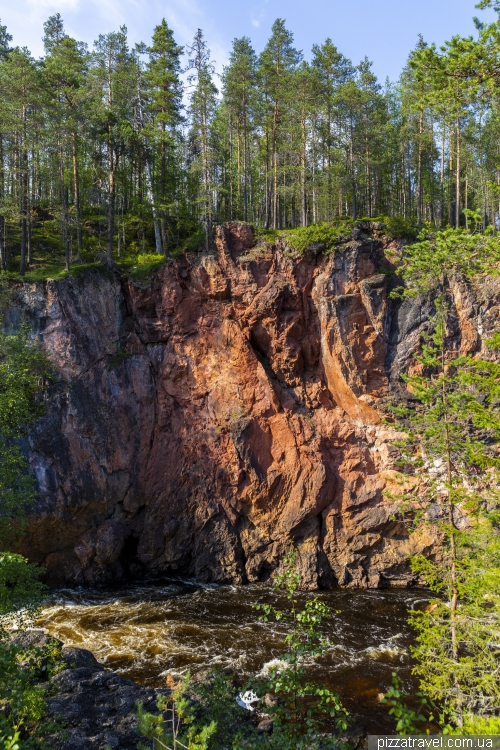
[146,266]
[23,670]
[458,418]
[23,365]
[102,134]
[203,715]
[333,233]
[408,720]
[451,471]
[118,359]
[301,709]
[23,371]
[399,228]
[329,234]
[20,590]
[430,261]
[23,696]
[465,684]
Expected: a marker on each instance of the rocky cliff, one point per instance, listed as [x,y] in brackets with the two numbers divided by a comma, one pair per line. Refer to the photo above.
[201,421]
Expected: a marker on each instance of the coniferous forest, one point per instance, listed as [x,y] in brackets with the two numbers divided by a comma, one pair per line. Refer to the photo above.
[216,454]
[118,149]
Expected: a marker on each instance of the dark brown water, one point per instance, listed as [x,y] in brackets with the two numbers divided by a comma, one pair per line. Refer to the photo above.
[145,632]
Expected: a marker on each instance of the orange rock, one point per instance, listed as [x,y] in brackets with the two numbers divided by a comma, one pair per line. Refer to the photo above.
[245,412]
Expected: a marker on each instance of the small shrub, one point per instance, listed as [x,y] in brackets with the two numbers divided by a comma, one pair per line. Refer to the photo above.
[302,709]
[399,228]
[194,242]
[201,715]
[328,234]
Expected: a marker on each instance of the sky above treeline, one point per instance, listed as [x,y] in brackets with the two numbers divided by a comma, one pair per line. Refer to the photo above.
[383,30]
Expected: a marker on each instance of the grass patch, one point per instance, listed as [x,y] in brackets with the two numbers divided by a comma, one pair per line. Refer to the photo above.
[146,266]
[333,233]
[325,233]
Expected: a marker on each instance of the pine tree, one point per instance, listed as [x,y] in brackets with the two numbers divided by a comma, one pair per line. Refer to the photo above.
[334,71]
[277,63]
[5,38]
[164,93]
[20,82]
[451,446]
[203,105]
[240,78]
[114,87]
[65,69]
[451,477]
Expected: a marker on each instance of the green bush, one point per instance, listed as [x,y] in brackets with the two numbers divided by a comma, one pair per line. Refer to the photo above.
[204,715]
[399,228]
[23,671]
[326,233]
[146,266]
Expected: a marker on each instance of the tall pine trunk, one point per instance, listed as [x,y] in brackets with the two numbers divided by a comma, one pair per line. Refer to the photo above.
[457,192]
[245,166]
[443,142]
[351,165]
[76,182]
[3,248]
[24,197]
[275,168]
[111,204]
[64,205]
[303,173]
[419,169]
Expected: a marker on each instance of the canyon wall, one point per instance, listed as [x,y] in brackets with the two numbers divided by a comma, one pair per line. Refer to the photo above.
[199,422]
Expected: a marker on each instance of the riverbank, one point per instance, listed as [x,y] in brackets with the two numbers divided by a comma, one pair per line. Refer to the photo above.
[95,707]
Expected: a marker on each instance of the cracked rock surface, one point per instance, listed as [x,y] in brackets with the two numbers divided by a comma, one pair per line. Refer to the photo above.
[203,420]
[96,708]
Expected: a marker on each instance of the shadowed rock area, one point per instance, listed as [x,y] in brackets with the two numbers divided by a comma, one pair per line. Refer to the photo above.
[94,707]
[203,420]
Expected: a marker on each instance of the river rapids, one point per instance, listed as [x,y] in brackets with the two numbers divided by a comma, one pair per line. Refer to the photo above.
[148,631]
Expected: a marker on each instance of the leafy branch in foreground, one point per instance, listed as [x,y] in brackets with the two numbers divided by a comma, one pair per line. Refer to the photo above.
[444,253]
[23,370]
[302,711]
[200,715]
[204,714]
[451,471]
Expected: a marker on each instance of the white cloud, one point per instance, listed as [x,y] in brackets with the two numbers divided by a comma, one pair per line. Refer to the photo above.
[255,22]
[86,19]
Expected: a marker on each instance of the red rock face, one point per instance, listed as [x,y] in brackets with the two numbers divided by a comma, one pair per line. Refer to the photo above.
[202,422]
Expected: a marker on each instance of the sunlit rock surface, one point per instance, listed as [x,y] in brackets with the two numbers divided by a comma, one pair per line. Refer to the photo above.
[202,421]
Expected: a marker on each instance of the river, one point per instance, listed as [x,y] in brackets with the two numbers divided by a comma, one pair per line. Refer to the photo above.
[147,631]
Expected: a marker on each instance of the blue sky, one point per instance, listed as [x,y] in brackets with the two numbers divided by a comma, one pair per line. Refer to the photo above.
[384,30]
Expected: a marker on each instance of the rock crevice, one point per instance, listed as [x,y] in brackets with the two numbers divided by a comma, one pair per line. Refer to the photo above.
[202,421]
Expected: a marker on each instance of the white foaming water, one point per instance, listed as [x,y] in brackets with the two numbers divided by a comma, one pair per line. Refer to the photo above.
[150,630]
[278,665]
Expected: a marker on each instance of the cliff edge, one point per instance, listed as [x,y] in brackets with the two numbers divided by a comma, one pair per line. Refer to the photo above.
[201,421]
